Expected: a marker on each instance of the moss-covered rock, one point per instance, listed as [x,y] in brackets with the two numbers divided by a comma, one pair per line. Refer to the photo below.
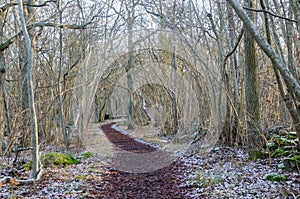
[58,159]
[55,159]
[275,178]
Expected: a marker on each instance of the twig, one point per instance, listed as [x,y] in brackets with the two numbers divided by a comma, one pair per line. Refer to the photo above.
[270,13]
[4,45]
[8,5]
[19,150]
[234,48]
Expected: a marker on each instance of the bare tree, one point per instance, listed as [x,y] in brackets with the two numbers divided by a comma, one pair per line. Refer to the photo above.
[175,68]
[130,7]
[60,74]
[251,83]
[291,82]
[34,125]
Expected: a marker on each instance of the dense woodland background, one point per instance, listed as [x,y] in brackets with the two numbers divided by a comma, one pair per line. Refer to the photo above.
[183,65]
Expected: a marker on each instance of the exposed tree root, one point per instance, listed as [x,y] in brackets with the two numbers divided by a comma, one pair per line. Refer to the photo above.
[16,182]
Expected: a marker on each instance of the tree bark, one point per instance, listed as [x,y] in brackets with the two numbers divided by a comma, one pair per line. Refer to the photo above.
[289,103]
[291,82]
[251,84]
[34,126]
[174,93]
[59,90]
[130,21]
[288,77]
[235,71]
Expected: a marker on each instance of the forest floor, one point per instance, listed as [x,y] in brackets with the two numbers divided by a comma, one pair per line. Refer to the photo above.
[221,173]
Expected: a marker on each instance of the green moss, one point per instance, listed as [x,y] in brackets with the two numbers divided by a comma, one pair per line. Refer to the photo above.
[275,178]
[257,154]
[85,155]
[55,159]
[58,159]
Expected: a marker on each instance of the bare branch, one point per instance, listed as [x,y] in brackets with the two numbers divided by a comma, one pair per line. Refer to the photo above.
[12,39]
[41,5]
[235,47]
[9,5]
[270,13]
[288,77]
[20,150]
[9,41]
[57,25]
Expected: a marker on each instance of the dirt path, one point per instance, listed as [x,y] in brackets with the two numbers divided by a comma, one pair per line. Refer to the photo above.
[161,183]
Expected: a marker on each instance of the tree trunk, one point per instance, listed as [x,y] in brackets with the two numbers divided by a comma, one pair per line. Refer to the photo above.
[174,92]
[235,71]
[251,84]
[287,98]
[34,126]
[291,81]
[59,91]
[130,21]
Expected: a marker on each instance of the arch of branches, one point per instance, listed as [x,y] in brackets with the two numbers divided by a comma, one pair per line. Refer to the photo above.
[152,105]
[198,93]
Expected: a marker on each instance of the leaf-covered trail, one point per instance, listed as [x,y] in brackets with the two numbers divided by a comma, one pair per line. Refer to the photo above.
[123,168]
[161,183]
